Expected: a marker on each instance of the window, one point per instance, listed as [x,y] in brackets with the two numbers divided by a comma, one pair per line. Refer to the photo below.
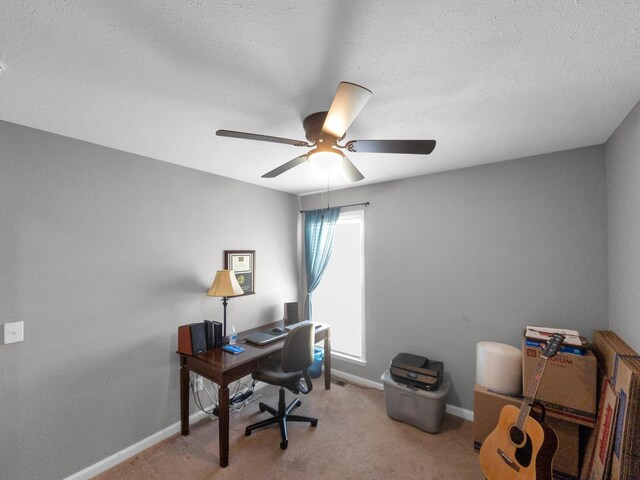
[339,298]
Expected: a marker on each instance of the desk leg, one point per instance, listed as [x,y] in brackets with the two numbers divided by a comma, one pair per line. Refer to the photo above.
[327,363]
[223,424]
[184,400]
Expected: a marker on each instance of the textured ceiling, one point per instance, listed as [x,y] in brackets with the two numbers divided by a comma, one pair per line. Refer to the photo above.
[490,81]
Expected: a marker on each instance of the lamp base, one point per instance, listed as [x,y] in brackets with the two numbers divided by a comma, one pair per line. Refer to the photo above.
[224,322]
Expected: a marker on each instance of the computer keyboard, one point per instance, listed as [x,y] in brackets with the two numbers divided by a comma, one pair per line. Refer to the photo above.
[262,338]
[273,334]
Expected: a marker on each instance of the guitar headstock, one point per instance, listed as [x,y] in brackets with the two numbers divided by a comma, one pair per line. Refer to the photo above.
[553,345]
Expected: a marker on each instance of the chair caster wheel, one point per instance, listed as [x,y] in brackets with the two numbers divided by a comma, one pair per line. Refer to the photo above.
[247,433]
[262,409]
[314,424]
[284,445]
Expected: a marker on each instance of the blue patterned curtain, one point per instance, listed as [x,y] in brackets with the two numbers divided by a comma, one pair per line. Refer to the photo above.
[319,226]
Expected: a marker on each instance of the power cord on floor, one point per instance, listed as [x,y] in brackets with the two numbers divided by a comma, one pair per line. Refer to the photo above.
[239,406]
[242,397]
[238,398]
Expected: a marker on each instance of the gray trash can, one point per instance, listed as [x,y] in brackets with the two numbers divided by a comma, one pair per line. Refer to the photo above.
[421,408]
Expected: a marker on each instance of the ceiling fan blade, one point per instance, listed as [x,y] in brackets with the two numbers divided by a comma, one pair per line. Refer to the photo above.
[416,147]
[262,138]
[350,171]
[285,166]
[347,103]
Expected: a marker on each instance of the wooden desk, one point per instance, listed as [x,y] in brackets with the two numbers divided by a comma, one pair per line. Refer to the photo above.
[224,368]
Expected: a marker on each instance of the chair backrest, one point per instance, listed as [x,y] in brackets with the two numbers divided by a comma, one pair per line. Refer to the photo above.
[297,352]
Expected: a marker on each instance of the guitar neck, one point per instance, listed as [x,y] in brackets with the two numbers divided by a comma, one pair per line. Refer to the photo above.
[530,394]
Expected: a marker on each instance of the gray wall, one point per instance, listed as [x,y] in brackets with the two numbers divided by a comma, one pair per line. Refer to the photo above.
[623,199]
[103,254]
[476,254]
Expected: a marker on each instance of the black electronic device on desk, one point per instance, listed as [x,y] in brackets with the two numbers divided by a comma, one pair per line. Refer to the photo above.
[268,336]
[416,371]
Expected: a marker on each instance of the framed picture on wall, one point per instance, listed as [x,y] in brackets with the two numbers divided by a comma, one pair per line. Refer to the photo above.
[243,264]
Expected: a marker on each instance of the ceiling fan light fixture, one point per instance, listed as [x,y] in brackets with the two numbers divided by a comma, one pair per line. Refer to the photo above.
[324,160]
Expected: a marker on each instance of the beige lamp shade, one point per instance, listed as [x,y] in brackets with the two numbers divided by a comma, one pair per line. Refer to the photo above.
[225,285]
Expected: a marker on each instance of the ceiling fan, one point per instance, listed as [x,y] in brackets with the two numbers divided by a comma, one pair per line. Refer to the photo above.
[324,130]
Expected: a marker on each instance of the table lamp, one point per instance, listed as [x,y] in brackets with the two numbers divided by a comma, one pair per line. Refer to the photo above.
[225,285]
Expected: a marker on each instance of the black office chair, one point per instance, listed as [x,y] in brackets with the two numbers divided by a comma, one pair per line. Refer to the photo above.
[297,357]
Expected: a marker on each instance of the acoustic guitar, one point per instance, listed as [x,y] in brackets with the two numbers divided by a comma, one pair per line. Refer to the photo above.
[520,447]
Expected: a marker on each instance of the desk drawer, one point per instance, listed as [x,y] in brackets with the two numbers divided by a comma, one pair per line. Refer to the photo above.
[269,359]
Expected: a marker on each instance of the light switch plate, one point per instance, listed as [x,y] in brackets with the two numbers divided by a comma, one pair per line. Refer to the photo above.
[13,332]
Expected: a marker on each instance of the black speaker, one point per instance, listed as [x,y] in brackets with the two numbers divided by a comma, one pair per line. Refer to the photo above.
[192,339]
[291,313]
[217,334]
[208,333]
[198,338]
[213,333]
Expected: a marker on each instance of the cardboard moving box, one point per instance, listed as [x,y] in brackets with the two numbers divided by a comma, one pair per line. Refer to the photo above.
[621,365]
[609,348]
[486,411]
[568,388]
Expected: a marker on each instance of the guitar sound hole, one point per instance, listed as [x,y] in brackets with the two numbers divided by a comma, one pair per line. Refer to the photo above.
[523,454]
[524,448]
[516,435]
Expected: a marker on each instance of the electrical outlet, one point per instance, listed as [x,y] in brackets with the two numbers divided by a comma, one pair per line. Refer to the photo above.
[199,383]
[12,332]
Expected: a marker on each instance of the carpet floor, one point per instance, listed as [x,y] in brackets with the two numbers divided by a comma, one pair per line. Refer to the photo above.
[354,439]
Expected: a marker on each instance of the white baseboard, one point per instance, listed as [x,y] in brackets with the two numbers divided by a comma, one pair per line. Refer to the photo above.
[122,455]
[460,412]
[451,409]
[363,382]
